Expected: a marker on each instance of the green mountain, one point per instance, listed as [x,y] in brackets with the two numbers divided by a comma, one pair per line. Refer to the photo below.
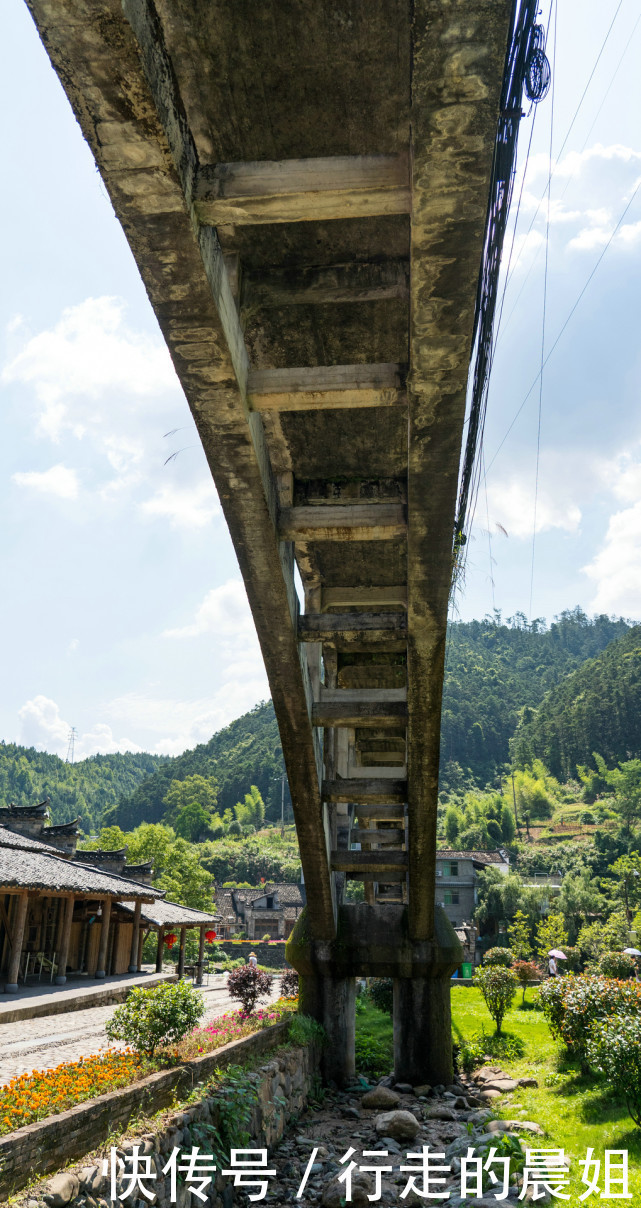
[495,670]
[246,752]
[86,788]
[597,708]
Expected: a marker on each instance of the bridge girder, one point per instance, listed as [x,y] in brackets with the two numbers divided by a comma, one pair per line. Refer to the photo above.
[321,332]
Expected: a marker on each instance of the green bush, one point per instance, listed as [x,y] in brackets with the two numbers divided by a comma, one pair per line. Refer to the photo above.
[498,956]
[498,987]
[374,1056]
[574,1005]
[614,1049]
[526,971]
[616,964]
[381,992]
[155,1018]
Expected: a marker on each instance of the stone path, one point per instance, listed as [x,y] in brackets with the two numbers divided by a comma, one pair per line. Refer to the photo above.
[40,1044]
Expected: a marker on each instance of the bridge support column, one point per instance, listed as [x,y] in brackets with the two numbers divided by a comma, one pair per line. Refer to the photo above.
[423,1030]
[332,1001]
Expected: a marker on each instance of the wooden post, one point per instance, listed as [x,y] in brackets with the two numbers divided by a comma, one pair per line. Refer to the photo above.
[61,976]
[141,940]
[133,955]
[159,949]
[101,969]
[181,953]
[17,936]
[201,954]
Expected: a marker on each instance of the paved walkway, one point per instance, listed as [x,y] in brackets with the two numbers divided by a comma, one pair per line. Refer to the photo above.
[40,1044]
[79,993]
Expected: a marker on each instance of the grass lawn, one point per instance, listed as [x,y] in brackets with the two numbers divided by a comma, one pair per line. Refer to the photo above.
[577,1111]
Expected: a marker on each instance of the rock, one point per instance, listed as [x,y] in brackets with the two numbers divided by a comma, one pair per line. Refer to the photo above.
[388,1080]
[390,1144]
[528,1082]
[488,1073]
[62,1188]
[403,1088]
[334,1192]
[490,1095]
[352,1112]
[86,1177]
[503,1085]
[400,1125]
[527,1126]
[423,1089]
[456,1089]
[440,1113]
[461,1104]
[381,1096]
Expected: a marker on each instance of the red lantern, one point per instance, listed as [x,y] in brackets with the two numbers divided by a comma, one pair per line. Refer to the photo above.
[210,936]
[170,939]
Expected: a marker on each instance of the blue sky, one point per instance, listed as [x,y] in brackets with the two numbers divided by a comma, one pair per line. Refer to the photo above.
[123,612]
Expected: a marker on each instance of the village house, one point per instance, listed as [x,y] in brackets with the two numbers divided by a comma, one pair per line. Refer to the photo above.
[270,909]
[457,889]
[69,914]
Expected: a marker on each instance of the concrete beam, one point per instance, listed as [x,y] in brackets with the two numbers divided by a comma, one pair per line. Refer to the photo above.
[352,628]
[302,190]
[453,127]
[305,285]
[344,522]
[379,862]
[335,598]
[375,793]
[326,387]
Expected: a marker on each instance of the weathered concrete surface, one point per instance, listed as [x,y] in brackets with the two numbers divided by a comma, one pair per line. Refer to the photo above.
[178,99]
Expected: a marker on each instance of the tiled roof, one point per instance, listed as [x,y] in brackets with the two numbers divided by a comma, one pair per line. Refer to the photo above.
[28,869]
[62,828]
[481,857]
[13,839]
[172,914]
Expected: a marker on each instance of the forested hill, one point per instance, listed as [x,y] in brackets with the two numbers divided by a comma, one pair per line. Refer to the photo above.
[246,752]
[84,789]
[598,708]
[494,670]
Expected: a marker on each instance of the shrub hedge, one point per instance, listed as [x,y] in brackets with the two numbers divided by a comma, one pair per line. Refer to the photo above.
[573,1005]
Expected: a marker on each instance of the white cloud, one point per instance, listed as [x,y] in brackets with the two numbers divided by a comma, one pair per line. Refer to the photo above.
[225,613]
[616,568]
[88,354]
[188,507]
[59,481]
[511,504]
[73,646]
[42,727]
[175,725]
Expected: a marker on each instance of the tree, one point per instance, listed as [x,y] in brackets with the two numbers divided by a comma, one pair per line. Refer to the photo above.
[627,873]
[453,823]
[526,971]
[626,782]
[193,790]
[550,933]
[579,898]
[192,822]
[498,987]
[519,934]
[251,812]
[177,868]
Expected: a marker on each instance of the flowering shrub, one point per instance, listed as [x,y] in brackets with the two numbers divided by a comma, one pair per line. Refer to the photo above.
[47,1092]
[498,956]
[155,1018]
[615,964]
[498,987]
[614,1048]
[289,984]
[573,1005]
[232,1026]
[526,971]
[248,985]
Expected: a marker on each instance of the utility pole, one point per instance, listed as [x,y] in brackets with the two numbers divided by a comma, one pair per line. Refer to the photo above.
[516,817]
[71,746]
[282,801]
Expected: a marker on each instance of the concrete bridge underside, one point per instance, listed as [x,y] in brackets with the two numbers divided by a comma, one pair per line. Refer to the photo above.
[304,188]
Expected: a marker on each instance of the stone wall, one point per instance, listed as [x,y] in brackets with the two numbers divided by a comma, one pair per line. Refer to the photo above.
[50,1144]
[282,1088]
[271,955]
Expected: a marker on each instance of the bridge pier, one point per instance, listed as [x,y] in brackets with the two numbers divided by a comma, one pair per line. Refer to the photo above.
[423,1030]
[375,942]
[332,1001]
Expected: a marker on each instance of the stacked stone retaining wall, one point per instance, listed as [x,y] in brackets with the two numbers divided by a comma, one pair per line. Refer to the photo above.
[271,955]
[48,1145]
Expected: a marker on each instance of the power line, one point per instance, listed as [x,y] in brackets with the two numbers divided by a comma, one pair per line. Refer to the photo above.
[565,324]
[543,319]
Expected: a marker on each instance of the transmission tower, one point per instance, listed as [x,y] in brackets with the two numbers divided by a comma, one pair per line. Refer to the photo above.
[71,745]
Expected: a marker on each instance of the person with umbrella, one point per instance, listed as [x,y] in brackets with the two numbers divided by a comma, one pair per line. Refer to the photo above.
[555,955]
[634,952]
